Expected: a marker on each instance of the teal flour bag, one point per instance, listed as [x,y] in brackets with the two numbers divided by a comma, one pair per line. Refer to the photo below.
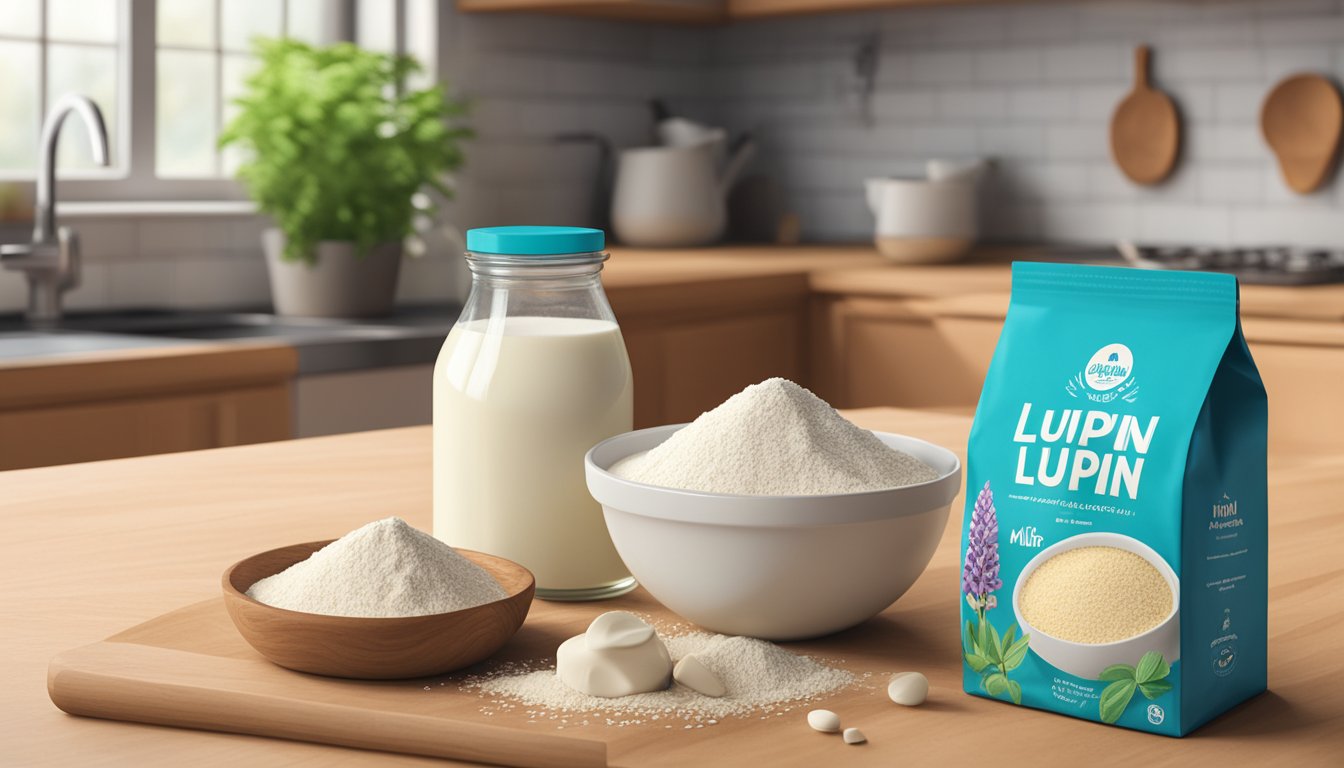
[1114,548]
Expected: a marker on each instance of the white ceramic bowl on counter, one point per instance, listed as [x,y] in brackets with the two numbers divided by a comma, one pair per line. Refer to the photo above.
[773,567]
[1087,660]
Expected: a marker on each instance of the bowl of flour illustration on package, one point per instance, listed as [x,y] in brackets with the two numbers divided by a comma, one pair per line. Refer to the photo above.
[1114,545]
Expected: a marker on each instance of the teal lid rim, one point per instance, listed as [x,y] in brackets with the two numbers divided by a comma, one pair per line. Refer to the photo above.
[535,240]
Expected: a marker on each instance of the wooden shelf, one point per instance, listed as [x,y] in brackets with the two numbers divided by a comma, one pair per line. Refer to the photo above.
[696,11]
[666,11]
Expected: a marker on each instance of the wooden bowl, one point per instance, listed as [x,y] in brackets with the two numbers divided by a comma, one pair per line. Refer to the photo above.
[374,648]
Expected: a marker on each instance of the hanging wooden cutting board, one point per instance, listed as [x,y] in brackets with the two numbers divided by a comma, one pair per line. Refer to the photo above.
[1145,128]
[1301,120]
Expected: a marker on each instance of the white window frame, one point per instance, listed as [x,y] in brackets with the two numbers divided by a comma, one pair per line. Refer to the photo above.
[136,181]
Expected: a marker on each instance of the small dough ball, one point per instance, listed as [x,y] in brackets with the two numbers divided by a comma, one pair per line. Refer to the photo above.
[908,689]
[823,720]
[692,673]
[854,736]
[619,655]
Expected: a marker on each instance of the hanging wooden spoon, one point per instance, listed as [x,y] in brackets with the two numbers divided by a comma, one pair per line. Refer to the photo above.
[1145,129]
[1301,119]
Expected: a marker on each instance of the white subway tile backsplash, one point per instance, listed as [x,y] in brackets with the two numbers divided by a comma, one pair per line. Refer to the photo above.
[1321,228]
[1009,65]
[1295,30]
[1011,140]
[943,67]
[1238,102]
[1232,184]
[1105,183]
[92,291]
[973,103]
[1277,193]
[1041,24]
[1207,64]
[898,104]
[1076,142]
[1106,62]
[1180,223]
[1089,222]
[1282,61]
[13,292]
[1041,104]
[1097,101]
[140,284]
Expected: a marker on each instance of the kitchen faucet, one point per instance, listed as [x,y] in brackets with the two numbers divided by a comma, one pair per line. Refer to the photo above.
[51,260]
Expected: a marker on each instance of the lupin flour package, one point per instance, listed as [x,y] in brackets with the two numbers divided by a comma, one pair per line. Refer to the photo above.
[1114,543]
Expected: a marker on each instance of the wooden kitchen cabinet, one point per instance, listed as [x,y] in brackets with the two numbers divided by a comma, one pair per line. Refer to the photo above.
[692,346]
[55,411]
[676,11]
[934,354]
[923,353]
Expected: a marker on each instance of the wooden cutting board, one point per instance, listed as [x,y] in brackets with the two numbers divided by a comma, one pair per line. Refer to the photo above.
[191,669]
[1145,129]
[1301,120]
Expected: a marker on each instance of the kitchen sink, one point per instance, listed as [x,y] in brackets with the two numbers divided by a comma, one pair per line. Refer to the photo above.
[38,344]
[412,336]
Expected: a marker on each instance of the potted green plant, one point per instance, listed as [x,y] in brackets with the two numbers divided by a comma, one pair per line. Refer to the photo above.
[336,150]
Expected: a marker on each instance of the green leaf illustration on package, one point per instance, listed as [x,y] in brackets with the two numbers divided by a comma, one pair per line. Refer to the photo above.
[989,654]
[1148,678]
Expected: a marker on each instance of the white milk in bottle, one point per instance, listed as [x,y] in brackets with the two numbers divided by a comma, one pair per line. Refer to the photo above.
[533,375]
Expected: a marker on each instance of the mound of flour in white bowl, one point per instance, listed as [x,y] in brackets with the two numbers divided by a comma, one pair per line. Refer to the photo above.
[774,439]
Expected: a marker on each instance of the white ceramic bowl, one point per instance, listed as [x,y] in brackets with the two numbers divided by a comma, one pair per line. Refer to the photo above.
[1087,660]
[774,567]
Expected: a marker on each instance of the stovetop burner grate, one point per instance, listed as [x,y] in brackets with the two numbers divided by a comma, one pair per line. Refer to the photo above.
[1272,265]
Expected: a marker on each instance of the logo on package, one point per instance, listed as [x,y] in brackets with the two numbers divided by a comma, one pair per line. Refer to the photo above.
[1107,377]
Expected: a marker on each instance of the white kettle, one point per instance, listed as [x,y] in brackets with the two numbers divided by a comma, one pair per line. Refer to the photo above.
[930,220]
[669,197]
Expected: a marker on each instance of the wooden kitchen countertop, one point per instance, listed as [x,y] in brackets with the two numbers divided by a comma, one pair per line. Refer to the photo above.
[91,549]
[978,286]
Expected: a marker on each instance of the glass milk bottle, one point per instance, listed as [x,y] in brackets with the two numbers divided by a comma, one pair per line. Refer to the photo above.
[533,374]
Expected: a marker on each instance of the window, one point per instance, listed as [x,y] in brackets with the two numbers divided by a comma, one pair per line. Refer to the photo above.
[49,48]
[164,73]
[203,56]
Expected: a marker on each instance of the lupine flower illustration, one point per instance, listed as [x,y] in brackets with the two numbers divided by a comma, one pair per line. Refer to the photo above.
[989,654]
[980,575]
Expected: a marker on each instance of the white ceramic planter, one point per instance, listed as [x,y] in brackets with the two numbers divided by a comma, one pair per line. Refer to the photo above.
[339,284]
[1087,660]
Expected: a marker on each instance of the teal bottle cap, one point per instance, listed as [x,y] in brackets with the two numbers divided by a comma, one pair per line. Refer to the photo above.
[535,241]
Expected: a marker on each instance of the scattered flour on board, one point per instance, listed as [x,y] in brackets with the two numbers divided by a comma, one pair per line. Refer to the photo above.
[758,675]
[774,439]
[384,569]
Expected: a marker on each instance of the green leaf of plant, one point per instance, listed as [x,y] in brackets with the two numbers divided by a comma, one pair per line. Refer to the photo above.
[1114,698]
[1155,688]
[1117,672]
[995,649]
[1008,638]
[1015,691]
[334,149]
[968,638]
[1151,667]
[996,684]
[1015,654]
[977,662]
[982,638]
